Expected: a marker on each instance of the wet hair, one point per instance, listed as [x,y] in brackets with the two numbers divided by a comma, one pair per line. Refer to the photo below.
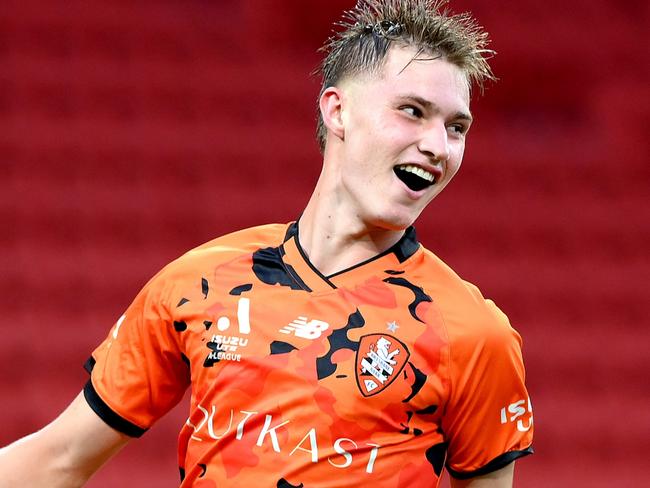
[369,30]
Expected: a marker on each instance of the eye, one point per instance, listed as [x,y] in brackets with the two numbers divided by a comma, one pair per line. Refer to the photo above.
[412,111]
[458,129]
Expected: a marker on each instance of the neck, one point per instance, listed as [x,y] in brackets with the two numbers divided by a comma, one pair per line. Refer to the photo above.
[335,238]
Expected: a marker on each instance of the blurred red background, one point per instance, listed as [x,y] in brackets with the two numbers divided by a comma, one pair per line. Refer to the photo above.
[131,132]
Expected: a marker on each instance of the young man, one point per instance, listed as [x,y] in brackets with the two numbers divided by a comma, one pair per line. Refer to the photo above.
[333,351]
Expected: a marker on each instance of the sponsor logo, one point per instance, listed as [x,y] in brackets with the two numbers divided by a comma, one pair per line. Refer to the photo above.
[226,347]
[348,451]
[304,329]
[514,413]
[380,359]
[243,317]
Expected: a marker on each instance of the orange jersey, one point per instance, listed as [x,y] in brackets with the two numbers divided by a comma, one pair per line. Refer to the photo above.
[379,375]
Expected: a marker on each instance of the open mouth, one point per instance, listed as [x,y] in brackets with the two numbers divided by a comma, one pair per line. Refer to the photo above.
[415,178]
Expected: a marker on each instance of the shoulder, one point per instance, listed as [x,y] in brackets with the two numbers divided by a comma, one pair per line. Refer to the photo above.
[228,247]
[243,240]
[201,262]
[468,316]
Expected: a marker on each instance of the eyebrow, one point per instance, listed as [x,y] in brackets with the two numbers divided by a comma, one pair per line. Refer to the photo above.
[432,106]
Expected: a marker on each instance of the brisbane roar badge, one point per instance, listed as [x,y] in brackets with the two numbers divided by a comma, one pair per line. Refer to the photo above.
[380,359]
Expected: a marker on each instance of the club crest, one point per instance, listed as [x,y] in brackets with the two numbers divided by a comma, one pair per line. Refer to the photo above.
[380,358]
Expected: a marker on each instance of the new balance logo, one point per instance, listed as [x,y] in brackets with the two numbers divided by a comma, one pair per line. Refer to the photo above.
[304,329]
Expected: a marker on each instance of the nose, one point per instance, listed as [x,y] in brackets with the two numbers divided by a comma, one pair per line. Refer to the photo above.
[434,142]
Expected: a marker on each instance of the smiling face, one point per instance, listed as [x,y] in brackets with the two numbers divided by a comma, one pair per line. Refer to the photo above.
[398,137]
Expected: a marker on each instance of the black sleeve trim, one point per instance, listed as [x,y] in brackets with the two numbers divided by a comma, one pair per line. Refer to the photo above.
[497,463]
[109,416]
[89,364]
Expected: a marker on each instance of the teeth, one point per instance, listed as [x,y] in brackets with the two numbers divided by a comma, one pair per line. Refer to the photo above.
[417,171]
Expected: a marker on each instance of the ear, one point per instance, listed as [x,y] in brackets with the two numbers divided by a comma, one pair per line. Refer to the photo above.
[331,108]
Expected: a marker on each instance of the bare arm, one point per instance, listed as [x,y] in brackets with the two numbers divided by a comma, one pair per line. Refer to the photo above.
[64,454]
[501,478]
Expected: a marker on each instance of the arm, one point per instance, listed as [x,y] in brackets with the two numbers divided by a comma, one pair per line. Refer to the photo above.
[501,478]
[65,454]
[489,418]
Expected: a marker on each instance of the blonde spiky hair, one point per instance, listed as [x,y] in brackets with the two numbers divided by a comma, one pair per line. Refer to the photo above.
[372,26]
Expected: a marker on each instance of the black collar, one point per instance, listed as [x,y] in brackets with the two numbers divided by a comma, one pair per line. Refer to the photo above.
[402,250]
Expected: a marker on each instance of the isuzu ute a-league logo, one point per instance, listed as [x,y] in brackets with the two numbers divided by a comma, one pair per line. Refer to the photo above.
[380,359]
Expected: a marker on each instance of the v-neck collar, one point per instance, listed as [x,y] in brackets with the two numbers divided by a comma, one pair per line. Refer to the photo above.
[295,257]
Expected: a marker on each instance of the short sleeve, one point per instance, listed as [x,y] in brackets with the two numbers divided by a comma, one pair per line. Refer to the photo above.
[138,373]
[488,421]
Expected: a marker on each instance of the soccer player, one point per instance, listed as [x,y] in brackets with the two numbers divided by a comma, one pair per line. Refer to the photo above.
[336,350]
